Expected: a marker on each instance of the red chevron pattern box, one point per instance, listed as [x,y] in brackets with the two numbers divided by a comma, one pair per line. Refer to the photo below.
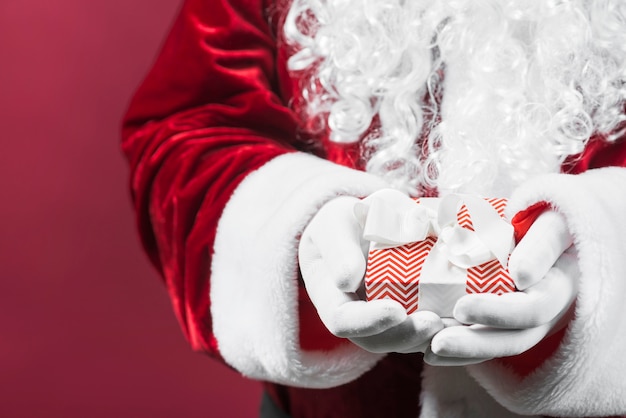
[395,273]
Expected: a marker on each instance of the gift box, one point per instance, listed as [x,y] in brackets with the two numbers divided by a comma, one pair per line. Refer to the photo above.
[462,246]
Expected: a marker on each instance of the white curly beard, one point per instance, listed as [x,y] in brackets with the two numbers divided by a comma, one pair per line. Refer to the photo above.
[525,84]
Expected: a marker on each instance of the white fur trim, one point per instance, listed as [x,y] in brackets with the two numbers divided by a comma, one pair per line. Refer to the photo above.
[254,284]
[587,375]
[450,392]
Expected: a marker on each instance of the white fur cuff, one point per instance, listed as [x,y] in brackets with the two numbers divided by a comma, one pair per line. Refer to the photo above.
[254,284]
[586,376]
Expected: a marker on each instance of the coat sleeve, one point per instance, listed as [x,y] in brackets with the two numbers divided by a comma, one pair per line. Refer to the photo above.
[222,189]
[583,373]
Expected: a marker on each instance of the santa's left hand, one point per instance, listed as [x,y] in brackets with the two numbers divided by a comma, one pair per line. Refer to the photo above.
[544,266]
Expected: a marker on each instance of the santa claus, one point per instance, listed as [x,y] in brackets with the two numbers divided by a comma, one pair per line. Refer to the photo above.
[263,122]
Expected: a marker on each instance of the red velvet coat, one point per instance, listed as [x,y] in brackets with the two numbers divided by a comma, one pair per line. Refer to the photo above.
[209,133]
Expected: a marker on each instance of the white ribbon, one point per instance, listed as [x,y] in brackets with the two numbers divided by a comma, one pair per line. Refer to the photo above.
[390,219]
[492,237]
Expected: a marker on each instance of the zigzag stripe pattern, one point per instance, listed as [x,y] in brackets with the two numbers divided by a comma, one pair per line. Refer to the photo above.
[463,217]
[489,277]
[394,273]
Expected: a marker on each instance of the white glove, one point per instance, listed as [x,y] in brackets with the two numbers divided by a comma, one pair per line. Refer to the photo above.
[332,256]
[544,266]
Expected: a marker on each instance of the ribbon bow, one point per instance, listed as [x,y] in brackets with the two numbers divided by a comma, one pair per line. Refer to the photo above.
[391,219]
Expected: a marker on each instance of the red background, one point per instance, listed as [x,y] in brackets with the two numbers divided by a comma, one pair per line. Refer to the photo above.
[86,329]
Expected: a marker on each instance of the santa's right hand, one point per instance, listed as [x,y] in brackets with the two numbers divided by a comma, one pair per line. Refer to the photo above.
[333,258]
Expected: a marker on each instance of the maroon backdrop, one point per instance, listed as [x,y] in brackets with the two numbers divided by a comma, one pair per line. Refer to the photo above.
[86,329]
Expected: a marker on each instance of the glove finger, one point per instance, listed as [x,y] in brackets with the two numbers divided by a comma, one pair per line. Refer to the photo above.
[363,319]
[338,237]
[536,253]
[435,360]
[343,314]
[479,342]
[450,322]
[535,306]
[420,348]
[416,330]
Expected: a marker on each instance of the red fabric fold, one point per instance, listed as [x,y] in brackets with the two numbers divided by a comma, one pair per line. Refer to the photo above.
[203,119]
